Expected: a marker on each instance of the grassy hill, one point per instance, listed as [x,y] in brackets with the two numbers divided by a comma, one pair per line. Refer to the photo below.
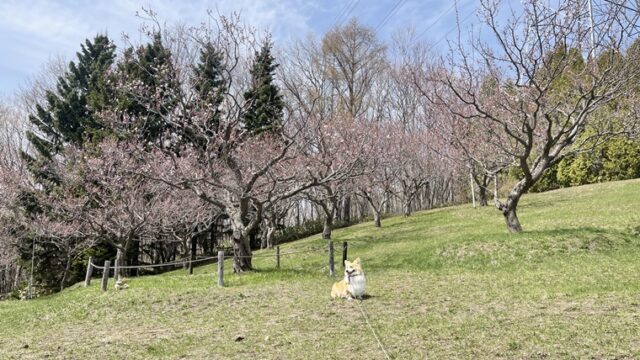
[447,283]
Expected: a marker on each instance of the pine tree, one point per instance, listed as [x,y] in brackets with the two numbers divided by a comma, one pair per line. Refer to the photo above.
[209,83]
[264,112]
[70,115]
[151,68]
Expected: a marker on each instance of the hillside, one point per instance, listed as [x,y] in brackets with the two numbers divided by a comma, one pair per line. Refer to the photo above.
[447,283]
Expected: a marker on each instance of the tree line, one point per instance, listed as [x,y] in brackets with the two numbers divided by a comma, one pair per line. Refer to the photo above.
[144,153]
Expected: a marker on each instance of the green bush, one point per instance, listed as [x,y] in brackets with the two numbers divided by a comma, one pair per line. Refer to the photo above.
[616,159]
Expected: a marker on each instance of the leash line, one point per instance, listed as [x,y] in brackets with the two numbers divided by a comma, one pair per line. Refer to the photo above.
[366,318]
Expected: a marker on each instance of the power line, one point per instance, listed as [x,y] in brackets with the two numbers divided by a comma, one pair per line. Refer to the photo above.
[451,30]
[340,14]
[389,15]
[436,21]
[345,16]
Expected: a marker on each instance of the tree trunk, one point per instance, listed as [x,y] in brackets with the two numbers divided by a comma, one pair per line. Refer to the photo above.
[263,239]
[376,218]
[406,206]
[118,263]
[482,195]
[508,209]
[267,234]
[241,253]
[346,209]
[328,226]
[387,202]
[482,184]
[17,277]
[241,244]
[252,238]
[511,218]
[194,251]
[209,246]
[132,256]
[270,230]
[65,274]
[329,207]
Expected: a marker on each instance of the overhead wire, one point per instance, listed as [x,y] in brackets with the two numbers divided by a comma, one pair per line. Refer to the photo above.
[341,13]
[433,23]
[389,15]
[345,15]
[451,30]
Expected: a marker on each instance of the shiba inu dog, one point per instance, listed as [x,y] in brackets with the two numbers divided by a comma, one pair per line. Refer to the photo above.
[121,284]
[353,284]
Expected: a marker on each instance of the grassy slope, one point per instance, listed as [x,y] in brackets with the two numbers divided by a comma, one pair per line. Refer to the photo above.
[448,283]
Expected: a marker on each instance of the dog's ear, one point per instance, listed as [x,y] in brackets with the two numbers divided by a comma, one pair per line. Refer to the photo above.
[346,263]
[356,261]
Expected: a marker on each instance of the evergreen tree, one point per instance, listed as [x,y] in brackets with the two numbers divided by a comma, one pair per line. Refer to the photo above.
[68,116]
[149,95]
[265,102]
[70,113]
[209,83]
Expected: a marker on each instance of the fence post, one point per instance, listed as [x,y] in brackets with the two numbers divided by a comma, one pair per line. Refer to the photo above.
[332,270]
[220,268]
[193,255]
[105,275]
[278,257]
[87,278]
[344,252]
[116,269]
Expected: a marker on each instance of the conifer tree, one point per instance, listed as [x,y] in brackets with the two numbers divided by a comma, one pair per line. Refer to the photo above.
[150,69]
[265,102]
[209,83]
[70,115]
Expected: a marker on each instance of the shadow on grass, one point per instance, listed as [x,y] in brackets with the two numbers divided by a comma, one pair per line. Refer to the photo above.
[580,231]
[284,272]
[364,297]
[543,203]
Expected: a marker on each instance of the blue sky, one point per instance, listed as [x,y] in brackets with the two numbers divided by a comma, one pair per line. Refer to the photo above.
[34,31]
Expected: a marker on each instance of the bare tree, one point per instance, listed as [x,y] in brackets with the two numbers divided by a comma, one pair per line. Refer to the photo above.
[333,83]
[336,143]
[103,190]
[543,93]
[12,137]
[274,219]
[181,218]
[13,177]
[377,186]
[472,145]
[10,216]
[239,172]
[353,60]
[63,227]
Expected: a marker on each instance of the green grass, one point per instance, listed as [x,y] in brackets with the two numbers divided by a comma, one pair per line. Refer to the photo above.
[447,283]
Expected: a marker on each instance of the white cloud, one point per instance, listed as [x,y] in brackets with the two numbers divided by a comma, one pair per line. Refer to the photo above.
[32,31]
[42,20]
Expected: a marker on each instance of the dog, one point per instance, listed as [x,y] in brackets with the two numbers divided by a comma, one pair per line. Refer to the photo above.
[121,284]
[353,284]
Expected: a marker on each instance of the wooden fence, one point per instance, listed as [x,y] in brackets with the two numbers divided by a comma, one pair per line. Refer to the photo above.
[106,268]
